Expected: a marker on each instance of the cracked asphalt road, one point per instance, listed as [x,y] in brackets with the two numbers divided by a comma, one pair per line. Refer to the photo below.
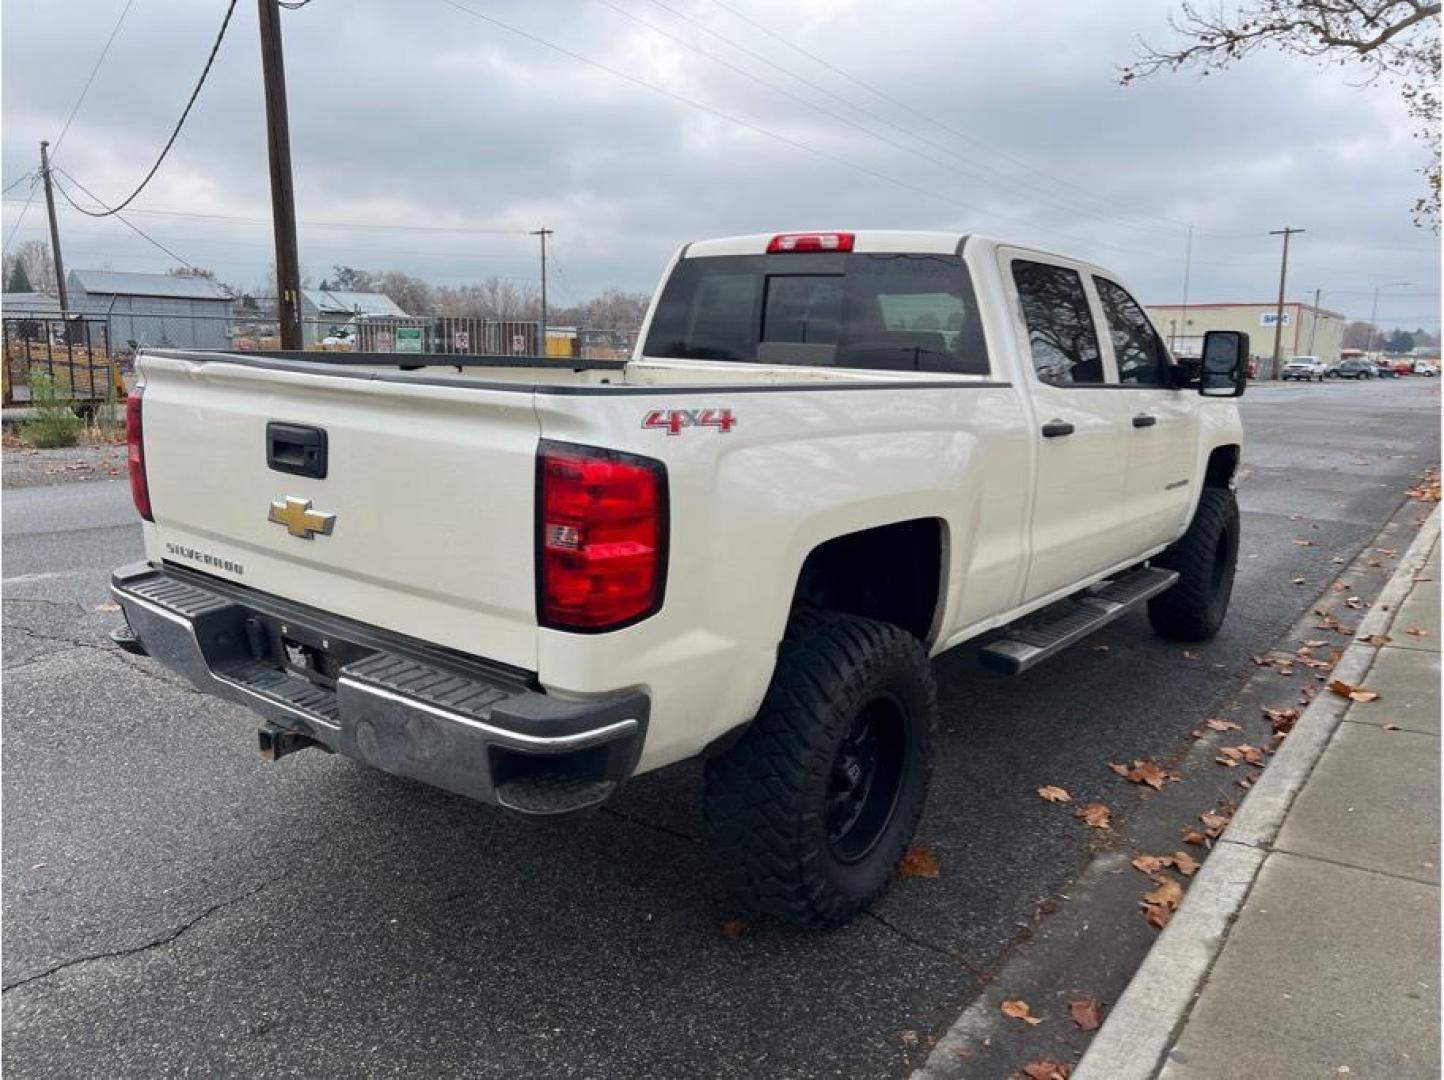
[174,906]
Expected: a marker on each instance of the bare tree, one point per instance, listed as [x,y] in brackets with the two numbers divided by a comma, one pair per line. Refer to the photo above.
[617,309]
[1393,40]
[34,256]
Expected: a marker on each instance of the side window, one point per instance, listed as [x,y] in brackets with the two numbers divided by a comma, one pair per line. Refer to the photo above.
[1060,325]
[1142,360]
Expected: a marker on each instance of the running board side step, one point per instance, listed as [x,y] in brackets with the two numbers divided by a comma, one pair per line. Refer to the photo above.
[1036,637]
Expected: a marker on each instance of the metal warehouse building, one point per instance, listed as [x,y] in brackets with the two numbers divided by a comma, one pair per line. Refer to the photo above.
[154,309]
[325,311]
[1307,330]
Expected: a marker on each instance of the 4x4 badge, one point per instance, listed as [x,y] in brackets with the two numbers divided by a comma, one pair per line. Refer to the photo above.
[299,519]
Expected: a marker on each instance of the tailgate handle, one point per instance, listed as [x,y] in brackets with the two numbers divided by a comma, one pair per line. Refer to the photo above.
[296,448]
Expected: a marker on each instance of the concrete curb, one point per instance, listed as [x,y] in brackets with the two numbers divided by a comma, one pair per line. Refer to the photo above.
[1139,1031]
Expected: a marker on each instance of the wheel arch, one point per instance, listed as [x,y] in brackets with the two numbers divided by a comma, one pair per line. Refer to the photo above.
[890,572]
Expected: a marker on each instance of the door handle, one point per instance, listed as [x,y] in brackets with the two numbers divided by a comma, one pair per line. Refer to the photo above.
[1144,420]
[1055,428]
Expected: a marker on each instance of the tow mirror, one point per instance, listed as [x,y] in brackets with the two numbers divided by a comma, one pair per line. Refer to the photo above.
[1224,368]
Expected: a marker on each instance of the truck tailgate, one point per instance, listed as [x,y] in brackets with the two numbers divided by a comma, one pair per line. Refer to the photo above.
[431,488]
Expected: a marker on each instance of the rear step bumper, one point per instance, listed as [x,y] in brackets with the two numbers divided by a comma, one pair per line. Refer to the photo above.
[401,706]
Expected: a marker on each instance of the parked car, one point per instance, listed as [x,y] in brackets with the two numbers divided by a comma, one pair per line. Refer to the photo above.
[1305,368]
[1428,370]
[831,457]
[1353,369]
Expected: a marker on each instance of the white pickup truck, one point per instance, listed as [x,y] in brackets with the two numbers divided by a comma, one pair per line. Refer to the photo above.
[832,456]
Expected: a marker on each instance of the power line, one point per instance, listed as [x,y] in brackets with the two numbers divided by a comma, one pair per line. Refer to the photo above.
[124,221]
[910,110]
[965,168]
[328,224]
[776,136]
[175,132]
[16,183]
[968,165]
[34,187]
[91,77]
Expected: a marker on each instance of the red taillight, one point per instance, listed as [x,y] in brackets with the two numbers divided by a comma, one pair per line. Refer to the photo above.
[135,455]
[810,241]
[601,534]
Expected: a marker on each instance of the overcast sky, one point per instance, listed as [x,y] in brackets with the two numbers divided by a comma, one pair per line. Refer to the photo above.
[420,120]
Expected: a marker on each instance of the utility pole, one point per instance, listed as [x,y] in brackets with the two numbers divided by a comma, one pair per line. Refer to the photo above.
[1314,321]
[1374,311]
[283,196]
[543,232]
[54,230]
[1187,266]
[1285,232]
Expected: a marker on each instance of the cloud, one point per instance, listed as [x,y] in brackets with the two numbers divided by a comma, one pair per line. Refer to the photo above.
[985,121]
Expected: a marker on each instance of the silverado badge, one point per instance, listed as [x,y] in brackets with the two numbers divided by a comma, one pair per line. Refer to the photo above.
[299,519]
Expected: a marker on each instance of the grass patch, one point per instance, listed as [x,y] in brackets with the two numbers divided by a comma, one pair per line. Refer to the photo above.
[54,422]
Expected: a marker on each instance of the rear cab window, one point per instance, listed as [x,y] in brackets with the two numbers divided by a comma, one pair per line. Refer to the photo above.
[880,311]
[1061,335]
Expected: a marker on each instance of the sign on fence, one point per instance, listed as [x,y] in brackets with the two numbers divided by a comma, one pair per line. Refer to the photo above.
[461,341]
[408,339]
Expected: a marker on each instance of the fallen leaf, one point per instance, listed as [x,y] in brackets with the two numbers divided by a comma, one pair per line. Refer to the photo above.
[1019,1010]
[1085,1014]
[1417,631]
[1303,543]
[1222,725]
[1144,772]
[917,861]
[1353,602]
[1353,693]
[1317,644]
[1047,1069]
[1300,581]
[1096,815]
[1168,893]
[908,1037]
[1216,820]
[1189,654]
[1193,836]
[1185,863]
[1157,915]
[109,605]
[1054,794]
[1152,864]
[1282,720]
[1376,640]
[733,928]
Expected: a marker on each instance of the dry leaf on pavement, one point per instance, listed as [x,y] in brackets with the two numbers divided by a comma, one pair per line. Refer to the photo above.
[1085,1014]
[1222,725]
[1417,631]
[1352,692]
[1047,1069]
[1019,1010]
[1096,815]
[1054,794]
[109,605]
[1185,863]
[1151,864]
[1144,772]
[734,928]
[1376,640]
[917,861]
[1282,720]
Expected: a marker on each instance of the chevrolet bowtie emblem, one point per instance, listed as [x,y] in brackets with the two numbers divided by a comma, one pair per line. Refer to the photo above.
[299,519]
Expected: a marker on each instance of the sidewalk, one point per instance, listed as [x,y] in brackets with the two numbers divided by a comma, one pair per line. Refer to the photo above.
[1308,945]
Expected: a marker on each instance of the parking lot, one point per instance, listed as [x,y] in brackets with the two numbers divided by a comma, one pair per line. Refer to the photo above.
[175,906]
